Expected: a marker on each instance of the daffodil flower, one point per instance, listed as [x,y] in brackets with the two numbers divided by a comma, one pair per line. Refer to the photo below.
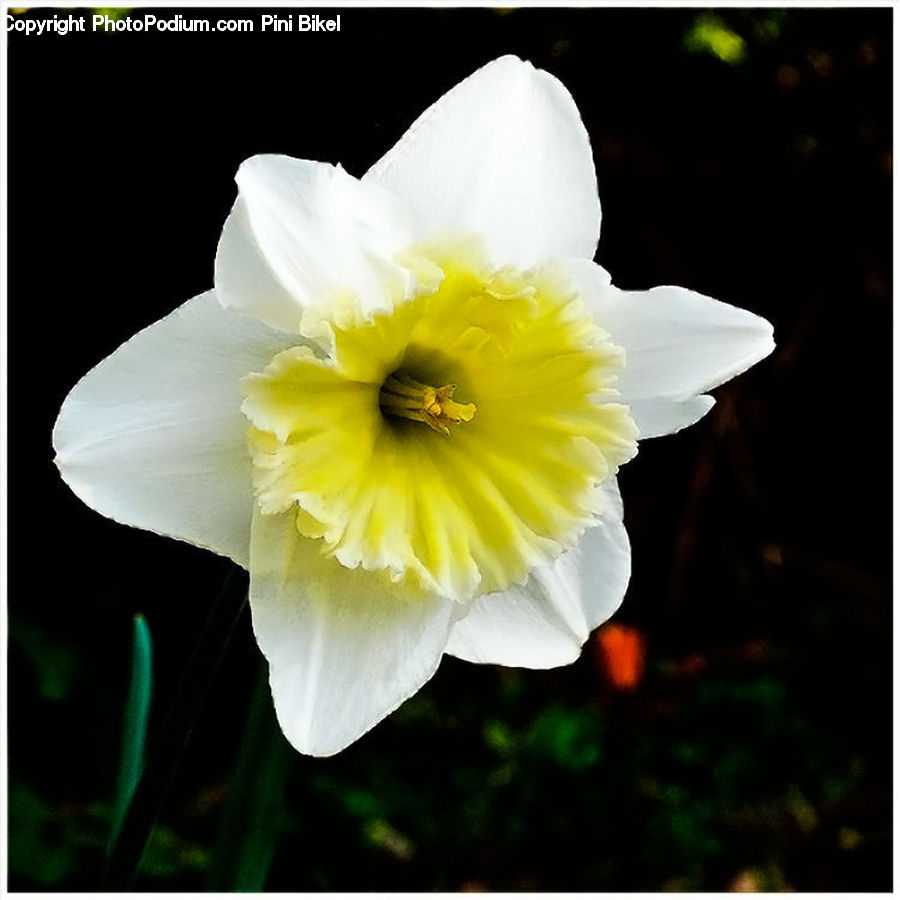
[404,404]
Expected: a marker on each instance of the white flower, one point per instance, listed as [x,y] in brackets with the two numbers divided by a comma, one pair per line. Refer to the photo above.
[404,404]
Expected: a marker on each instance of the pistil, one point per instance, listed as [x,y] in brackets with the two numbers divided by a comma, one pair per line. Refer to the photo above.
[407,398]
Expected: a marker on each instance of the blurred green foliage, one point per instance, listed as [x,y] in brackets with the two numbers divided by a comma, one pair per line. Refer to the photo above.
[52,661]
[45,843]
[708,34]
[113,12]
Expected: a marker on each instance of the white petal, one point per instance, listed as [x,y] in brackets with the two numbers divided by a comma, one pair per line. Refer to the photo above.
[544,623]
[154,437]
[657,416]
[504,153]
[677,344]
[302,233]
[245,280]
[345,646]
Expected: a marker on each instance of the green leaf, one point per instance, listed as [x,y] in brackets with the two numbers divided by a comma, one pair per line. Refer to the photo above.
[134,733]
[254,816]
[125,852]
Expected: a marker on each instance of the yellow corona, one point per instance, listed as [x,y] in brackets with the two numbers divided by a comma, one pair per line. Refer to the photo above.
[390,470]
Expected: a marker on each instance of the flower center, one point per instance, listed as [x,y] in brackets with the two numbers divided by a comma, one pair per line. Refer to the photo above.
[337,437]
[404,397]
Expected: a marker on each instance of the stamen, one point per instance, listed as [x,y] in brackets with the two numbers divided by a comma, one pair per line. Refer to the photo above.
[410,399]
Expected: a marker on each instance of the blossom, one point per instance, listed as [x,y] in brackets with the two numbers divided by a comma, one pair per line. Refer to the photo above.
[404,404]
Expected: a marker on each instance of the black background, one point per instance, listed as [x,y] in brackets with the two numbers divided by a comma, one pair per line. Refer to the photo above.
[759,739]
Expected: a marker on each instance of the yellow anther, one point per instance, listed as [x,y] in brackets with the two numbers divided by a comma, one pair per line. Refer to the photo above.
[410,399]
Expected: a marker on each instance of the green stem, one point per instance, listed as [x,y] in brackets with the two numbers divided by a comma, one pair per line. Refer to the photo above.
[254,813]
[125,854]
[134,733]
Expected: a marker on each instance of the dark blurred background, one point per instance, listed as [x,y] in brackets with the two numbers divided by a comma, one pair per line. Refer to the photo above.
[733,729]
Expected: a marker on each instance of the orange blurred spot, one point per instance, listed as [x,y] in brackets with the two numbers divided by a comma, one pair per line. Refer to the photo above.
[622,648]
